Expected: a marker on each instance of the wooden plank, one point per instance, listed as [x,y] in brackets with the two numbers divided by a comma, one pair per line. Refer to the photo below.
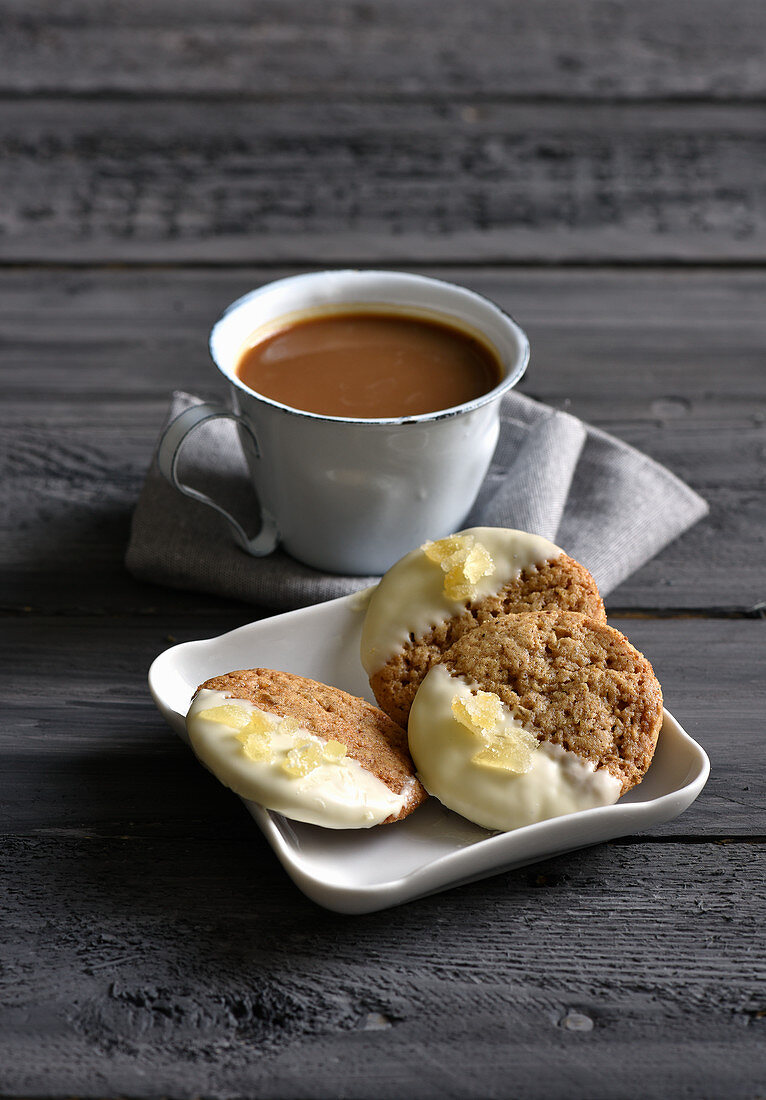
[384,49]
[636,350]
[351,181]
[635,347]
[85,751]
[76,489]
[685,345]
[195,968]
[670,361]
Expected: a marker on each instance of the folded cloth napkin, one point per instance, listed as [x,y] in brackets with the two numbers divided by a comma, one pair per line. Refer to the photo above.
[609,506]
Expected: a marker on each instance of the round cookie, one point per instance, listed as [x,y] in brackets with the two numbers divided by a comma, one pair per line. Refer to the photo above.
[309,751]
[535,715]
[434,594]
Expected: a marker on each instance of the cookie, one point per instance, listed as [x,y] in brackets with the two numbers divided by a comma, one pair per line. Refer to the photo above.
[434,594]
[535,715]
[308,751]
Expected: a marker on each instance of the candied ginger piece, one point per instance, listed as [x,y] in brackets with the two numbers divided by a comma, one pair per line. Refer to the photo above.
[289,724]
[509,750]
[303,759]
[478,564]
[464,561]
[228,715]
[260,722]
[456,587]
[443,550]
[480,712]
[256,744]
[334,752]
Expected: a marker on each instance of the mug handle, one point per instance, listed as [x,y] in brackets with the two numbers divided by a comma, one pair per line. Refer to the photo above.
[168,454]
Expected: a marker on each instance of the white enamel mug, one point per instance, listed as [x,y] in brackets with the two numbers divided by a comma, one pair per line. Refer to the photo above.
[349,495]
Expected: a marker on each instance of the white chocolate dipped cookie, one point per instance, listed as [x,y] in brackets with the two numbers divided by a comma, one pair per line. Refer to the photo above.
[304,749]
[434,594]
[535,715]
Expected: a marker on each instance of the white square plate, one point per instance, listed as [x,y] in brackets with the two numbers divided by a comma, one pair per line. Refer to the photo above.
[360,871]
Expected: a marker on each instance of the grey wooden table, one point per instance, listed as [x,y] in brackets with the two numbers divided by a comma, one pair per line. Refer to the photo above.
[598,169]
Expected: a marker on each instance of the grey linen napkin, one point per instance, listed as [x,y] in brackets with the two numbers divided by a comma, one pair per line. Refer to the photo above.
[605,503]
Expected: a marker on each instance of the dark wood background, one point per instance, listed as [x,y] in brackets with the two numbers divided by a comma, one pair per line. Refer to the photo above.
[598,168]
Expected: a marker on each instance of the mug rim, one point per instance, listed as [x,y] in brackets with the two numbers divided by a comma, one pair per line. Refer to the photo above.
[515,374]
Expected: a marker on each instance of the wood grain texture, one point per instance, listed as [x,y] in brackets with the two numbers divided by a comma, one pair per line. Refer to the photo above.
[85,751]
[187,968]
[151,945]
[672,362]
[354,182]
[384,48]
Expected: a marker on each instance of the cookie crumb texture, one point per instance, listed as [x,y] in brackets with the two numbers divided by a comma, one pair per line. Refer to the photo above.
[560,584]
[369,736]
[578,682]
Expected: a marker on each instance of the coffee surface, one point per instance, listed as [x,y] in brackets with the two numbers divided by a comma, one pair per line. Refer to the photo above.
[369,366]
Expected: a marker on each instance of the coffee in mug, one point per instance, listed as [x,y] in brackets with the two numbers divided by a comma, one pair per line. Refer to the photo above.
[350,489]
[369,364]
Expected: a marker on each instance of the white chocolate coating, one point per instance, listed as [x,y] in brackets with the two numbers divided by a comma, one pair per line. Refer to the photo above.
[336,795]
[559,782]
[410,598]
